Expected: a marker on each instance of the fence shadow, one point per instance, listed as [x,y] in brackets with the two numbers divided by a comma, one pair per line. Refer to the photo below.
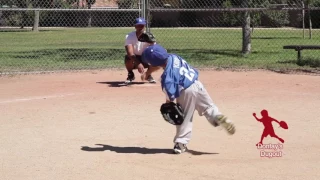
[205,54]
[72,54]
[107,54]
[11,30]
[137,150]
[276,38]
[312,62]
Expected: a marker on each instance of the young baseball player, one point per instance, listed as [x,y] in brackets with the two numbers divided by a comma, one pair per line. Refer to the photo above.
[179,82]
[134,49]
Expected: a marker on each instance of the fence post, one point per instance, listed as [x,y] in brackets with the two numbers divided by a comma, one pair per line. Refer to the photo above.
[140,7]
[147,12]
[143,9]
[36,21]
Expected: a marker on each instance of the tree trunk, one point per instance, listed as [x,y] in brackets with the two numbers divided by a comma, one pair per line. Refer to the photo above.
[23,19]
[89,20]
[252,29]
[246,34]
[22,4]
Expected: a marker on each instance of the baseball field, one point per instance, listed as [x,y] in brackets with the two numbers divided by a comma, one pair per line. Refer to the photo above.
[99,48]
[87,125]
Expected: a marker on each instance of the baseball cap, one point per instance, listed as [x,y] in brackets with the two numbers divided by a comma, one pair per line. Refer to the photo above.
[155,55]
[140,21]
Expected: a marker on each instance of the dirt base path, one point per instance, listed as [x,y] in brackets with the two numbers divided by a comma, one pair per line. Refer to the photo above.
[81,126]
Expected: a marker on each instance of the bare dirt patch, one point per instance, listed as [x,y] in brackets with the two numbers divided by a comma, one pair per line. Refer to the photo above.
[87,125]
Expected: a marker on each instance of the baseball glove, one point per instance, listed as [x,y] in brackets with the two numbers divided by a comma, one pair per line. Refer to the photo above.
[147,37]
[172,113]
[283,124]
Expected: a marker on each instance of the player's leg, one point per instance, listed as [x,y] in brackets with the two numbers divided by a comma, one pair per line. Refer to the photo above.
[184,131]
[149,72]
[261,139]
[206,107]
[264,134]
[280,139]
[275,136]
[130,65]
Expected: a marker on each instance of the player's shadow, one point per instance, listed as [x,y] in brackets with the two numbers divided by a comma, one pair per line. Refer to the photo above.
[119,83]
[137,150]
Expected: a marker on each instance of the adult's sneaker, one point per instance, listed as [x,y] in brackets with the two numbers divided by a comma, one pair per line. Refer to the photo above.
[150,79]
[130,78]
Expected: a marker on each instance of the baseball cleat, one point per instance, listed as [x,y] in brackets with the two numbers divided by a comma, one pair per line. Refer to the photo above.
[150,79]
[224,122]
[179,148]
[130,78]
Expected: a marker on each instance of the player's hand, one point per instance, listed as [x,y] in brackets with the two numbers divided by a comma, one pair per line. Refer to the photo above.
[140,68]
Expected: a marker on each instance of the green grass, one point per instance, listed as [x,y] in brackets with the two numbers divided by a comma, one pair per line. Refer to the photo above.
[96,48]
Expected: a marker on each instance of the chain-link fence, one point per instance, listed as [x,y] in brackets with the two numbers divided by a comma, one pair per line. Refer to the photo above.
[234,33]
[51,35]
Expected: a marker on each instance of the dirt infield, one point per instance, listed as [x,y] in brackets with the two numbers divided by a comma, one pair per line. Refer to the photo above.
[87,125]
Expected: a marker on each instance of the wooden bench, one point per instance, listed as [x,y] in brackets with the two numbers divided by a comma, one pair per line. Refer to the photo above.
[300,48]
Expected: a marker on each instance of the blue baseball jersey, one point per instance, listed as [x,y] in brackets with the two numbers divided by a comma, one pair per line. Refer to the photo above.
[177,75]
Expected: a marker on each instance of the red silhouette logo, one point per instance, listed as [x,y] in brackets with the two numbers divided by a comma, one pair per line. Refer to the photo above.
[266,120]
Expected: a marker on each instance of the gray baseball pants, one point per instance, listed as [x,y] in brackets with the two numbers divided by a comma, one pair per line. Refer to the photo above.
[194,98]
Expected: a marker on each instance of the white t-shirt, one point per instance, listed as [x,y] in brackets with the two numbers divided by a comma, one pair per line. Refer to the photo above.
[138,46]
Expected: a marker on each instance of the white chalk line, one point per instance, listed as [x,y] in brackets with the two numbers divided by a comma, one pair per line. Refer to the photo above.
[36,98]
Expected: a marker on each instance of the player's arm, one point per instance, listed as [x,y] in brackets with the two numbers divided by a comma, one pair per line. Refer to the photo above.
[255,116]
[169,95]
[275,120]
[131,55]
[129,50]
[169,89]
[168,101]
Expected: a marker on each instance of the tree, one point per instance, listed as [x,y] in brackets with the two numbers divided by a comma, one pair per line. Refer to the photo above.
[90,3]
[309,2]
[20,4]
[24,16]
[246,33]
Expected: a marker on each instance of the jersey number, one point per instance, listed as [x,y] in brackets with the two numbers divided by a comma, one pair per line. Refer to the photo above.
[187,73]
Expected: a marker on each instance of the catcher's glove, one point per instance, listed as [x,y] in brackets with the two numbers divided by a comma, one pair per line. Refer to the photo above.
[147,37]
[283,124]
[172,113]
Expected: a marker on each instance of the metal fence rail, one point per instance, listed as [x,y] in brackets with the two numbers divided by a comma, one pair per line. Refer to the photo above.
[72,35]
